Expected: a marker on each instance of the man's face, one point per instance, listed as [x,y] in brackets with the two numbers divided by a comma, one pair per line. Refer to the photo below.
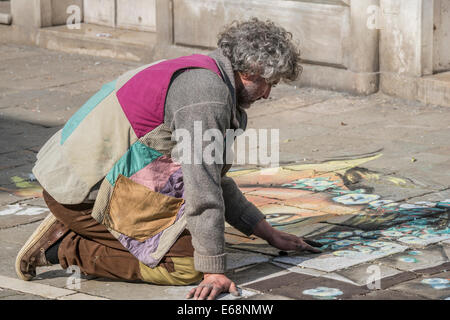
[250,88]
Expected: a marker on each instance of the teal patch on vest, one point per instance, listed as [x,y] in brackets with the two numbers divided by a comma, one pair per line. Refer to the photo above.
[76,119]
[136,158]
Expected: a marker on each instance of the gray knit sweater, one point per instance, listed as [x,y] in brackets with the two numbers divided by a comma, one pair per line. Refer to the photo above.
[211,198]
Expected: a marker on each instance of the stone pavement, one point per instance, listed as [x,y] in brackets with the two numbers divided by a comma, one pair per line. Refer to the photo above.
[368,177]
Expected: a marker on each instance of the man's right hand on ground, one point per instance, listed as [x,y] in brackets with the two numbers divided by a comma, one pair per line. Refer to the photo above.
[212,285]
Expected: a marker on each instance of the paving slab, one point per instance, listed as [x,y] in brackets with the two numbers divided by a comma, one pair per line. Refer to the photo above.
[19,234]
[421,242]
[277,193]
[266,296]
[367,222]
[434,196]
[446,248]
[11,241]
[31,287]
[432,287]
[8,253]
[315,273]
[300,286]
[433,270]
[255,273]
[38,202]
[57,277]
[8,292]
[117,290]
[315,231]
[413,260]
[342,259]
[321,202]
[81,296]
[434,176]
[281,214]
[24,297]
[8,198]
[387,295]
[17,214]
[237,260]
[365,273]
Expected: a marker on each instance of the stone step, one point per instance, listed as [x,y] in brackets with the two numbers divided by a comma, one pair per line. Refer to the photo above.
[100,41]
[435,89]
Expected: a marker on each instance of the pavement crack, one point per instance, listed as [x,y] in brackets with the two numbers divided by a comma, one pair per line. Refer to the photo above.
[290,109]
[21,224]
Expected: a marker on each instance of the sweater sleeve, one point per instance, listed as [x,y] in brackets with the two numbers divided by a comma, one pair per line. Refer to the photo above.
[239,212]
[205,208]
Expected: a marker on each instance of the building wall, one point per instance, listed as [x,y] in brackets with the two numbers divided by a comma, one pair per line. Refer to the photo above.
[441,41]
[322,30]
[128,14]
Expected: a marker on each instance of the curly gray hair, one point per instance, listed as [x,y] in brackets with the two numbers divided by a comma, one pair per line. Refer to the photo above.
[260,48]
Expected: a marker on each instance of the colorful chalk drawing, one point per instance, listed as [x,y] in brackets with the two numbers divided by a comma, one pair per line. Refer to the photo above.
[346,253]
[356,198]
[437,283]
[383,204]
[371,224]
[19,210]
[407,259]
[363,249]
[391,233]
[323,293]
[27,188]
[317,184]
[281,219]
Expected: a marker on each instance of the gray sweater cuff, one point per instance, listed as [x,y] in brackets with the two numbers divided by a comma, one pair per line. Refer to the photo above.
[210,264]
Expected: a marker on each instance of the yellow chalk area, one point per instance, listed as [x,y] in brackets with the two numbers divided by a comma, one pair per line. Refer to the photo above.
[338,166]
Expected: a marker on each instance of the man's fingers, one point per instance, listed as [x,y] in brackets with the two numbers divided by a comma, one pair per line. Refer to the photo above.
[214,293]
[307,247]
[191,293]
[313,243]
[205,292]
[314,250]
[198,290]
[234,290]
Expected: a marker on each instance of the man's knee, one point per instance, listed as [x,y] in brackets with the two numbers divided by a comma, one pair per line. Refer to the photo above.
[183,273]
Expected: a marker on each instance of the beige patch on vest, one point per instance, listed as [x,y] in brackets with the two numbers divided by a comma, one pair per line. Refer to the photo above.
[138,212]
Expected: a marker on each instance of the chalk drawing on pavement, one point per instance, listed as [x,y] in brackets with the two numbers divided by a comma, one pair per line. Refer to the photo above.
[18,210]
[323,293]
[437,283]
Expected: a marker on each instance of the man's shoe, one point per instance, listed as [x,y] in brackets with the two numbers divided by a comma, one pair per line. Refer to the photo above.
[32,254]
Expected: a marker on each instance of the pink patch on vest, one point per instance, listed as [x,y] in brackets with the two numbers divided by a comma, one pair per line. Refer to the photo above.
[143,97]
[156,174]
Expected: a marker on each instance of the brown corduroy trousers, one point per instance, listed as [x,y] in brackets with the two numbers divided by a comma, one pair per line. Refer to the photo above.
[91,247]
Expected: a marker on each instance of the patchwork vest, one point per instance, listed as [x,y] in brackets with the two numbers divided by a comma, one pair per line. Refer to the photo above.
[117,142]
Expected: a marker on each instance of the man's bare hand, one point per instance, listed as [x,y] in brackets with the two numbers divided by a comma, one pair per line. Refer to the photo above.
[286,241]
[212,285]
[283,240]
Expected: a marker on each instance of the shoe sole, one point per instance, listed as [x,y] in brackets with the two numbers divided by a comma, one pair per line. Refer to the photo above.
[37,234]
